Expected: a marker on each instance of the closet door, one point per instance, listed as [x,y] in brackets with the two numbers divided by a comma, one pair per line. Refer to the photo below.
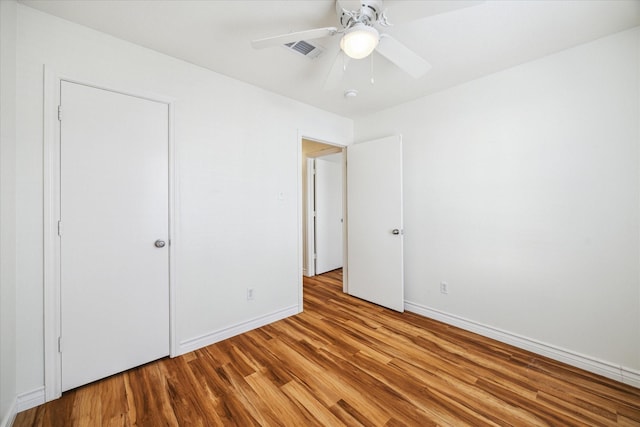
[114,255]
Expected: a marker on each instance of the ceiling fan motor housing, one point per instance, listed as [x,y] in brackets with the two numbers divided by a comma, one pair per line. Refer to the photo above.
[367,12]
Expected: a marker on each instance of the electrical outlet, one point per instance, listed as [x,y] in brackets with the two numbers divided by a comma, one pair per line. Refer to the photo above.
[444,288]
[250,294]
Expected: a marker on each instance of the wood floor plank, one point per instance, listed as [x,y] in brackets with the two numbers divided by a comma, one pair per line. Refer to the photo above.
[114,401]
[86,410]
[344,361]
[145,390]
[320,414]
[239,405]
[183,402]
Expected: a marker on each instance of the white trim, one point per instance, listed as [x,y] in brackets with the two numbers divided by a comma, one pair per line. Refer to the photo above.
[310,219]
[630,376]
[51,210]
[301,272]
[173,239]
[636,377]
[30,399]
[192,344]
[51,249]
[345,222]
[10,416]
[591,364]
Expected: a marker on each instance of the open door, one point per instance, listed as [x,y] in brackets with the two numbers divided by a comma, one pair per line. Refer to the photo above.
[374,215]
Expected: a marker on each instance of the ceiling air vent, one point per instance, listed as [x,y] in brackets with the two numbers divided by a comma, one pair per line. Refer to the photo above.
[305,48]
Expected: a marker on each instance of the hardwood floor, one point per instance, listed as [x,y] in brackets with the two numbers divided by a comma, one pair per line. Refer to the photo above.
[347,362]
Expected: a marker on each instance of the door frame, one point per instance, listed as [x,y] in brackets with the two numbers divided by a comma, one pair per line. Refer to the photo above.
[305,201]
[310,199]
[51,215]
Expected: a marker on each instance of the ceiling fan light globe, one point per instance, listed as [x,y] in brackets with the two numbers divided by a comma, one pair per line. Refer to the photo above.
[359,41]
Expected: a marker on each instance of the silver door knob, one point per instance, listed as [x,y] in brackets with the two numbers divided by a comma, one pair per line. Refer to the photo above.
[395,231]
[159,243]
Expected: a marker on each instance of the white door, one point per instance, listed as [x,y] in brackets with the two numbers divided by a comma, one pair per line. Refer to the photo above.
[114,207]
[375,237]
[328,208]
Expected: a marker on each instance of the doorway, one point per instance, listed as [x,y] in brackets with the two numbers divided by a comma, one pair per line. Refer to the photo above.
[327,220]
[373,218]
[325,233]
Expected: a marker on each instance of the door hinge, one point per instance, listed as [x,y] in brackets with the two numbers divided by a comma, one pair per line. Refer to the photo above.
[315,256]
[60,228]
[59,112]
[59,344]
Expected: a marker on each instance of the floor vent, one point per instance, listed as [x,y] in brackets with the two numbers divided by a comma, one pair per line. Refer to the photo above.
[305,48]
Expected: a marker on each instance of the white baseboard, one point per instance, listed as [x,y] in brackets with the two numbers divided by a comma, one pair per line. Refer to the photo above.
[213,337]
[630,376]
[600,367]
[10,416]
[30,399]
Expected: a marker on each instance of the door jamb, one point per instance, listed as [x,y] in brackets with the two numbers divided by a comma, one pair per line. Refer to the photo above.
[311,206]
[51,215]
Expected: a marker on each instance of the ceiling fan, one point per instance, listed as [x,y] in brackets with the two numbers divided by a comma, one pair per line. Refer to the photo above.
[362,22]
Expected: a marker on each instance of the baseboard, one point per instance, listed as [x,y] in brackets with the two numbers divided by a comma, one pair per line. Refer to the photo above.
[630,376]
[10,416]
[211,338]
[30,399]
[596,366]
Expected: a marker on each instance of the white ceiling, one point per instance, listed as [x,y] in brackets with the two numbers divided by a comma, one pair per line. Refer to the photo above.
[462,43]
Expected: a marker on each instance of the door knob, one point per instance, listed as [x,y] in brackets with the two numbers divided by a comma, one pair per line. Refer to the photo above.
[395,231]
[159,243]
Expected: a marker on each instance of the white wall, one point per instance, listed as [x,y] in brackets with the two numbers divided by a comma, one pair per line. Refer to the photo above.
[522,192]
[7,211]
[237,149]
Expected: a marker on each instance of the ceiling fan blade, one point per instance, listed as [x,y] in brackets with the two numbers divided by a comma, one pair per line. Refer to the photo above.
[401,11]
[402,56]
[294,37]
[336,72]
